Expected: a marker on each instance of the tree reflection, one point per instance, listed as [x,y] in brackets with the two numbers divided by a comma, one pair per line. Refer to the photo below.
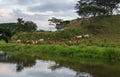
[19,61]
[55,67]
[83,74]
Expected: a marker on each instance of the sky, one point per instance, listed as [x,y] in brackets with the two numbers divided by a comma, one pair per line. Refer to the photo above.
[38,11]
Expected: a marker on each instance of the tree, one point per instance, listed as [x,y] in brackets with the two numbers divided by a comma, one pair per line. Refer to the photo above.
[63,24]
[20,21]
[110,5]
[5,34]
[59,23]
[29,26]
[87,8]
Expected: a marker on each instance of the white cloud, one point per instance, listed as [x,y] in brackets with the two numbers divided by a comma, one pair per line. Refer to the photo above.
[38,11]
[5,13]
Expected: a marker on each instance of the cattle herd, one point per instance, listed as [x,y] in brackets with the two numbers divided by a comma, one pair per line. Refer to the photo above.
[76,39]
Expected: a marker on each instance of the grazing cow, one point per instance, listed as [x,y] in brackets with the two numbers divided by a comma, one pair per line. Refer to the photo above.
[68,43]
[62,40]
[18,41]
[30,42]
[86,36]
[51,42]
[40,41]
[77,38]
[24,41]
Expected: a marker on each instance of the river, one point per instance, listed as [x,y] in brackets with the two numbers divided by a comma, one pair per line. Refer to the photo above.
[11,66]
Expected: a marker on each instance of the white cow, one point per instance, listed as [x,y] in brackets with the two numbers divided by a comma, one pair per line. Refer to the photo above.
[86,36]
[18,41]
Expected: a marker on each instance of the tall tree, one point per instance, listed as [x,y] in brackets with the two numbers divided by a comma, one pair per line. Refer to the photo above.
[88,8]
[20,22]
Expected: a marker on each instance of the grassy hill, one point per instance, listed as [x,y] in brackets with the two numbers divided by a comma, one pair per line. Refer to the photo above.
[103,27]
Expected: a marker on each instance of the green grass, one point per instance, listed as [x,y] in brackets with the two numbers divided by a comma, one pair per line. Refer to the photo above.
[76,52]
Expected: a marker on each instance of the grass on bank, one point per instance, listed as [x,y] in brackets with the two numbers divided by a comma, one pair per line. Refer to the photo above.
[75,52]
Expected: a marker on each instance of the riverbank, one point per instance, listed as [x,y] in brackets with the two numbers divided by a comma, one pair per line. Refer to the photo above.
[105,52]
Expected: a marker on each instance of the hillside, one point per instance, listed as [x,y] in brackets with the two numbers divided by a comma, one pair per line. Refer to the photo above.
[104,27]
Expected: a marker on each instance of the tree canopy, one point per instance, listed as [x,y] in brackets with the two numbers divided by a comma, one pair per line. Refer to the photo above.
[27,26]
[59,23]
[5,34]
[86,8]
[30,26]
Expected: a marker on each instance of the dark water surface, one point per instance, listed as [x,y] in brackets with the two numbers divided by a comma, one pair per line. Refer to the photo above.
[11,66]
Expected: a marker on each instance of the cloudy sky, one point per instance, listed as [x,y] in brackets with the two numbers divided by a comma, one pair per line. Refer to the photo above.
[38,11]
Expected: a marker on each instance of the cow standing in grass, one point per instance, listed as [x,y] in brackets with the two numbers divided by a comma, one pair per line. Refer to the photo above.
[77,38]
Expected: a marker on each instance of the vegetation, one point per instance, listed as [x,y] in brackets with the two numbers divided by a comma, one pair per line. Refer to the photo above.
[101,30]
[7,30]
[67,33]
[88,8]
[103,43]
[59,23]
[76,52]
[102,27]
[12,27]
[26,26]
[5,34]
[20,26]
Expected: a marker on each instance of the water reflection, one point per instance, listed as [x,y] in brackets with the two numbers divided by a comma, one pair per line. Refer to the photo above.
[25,66]
[83,74]
[20,62]
[4,56]
[55,67]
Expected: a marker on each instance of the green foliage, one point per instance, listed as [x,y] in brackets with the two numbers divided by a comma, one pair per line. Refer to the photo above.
[111,54]
[29,26]
[12,27]
[88,8]
[26,26]
[59,23]
[66,34]
[110,5]
[5,34]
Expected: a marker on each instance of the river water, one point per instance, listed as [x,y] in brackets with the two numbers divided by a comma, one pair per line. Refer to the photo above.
[18,67]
